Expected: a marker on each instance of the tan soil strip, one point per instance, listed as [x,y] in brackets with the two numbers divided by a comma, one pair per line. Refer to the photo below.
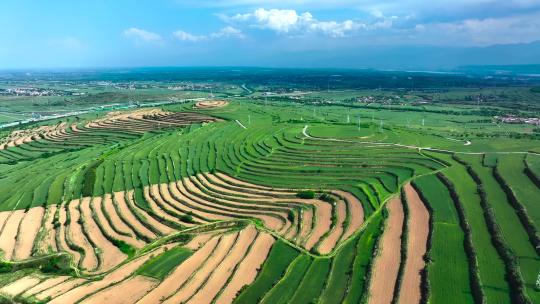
[19,141]
[126,292]
[323,222]
[198,241]
[3,217]
[210,216]
[44,285]
[319,231]
[222,273]
[416,247]
[305,227]
[222,178]
[235,181]
[170,202]
[9,233]
[200,276]
[96,206]
[293,231]
[90,261]
[126,213]
[236,197]
[162,228]
[116,221]
[48,240]
[62,236]
[112,256]
[174,205]
[270,222]
[248,269]
[20,286]
[60,289]
[181,274]
[113,277]
[211,104]
[158,208]
[356,213]
[217,186]
[386,266]
[27,234]
[328,244]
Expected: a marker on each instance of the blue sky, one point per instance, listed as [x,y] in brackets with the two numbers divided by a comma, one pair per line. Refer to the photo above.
[99,33]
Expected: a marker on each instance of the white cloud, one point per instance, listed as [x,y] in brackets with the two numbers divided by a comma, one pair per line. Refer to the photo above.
[224,33]
[228,32]
[141,35]
[482,32]
[286,21]
[185,36]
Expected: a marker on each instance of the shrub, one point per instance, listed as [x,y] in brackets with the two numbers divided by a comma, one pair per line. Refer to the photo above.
[290,215]
[327,198]
[124,247]
[306,194]
[5,267]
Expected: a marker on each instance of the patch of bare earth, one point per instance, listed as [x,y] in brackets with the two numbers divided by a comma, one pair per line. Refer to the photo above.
[30,225]
[59,289]
[181,274]
[356,213]
[269,221]
[211,104]
[227,190]
[9,233]
[119,199]
[198,241]
[62,243]
[221,274]
[48,283]
[323,212]
[48,240]
[305,228]
[162,228]
[125,292]
[106,226]
[248,269]
[113,277]
[188,289]
[208,216]
[386,265]
[115,219]
[111,255]
[328,244]
[418,227]
[90,261]
[158,205]
[19,286]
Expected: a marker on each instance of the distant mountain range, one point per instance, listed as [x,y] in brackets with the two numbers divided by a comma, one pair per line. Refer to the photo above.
[433,58]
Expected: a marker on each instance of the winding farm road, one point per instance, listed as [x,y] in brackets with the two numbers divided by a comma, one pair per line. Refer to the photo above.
[304,132]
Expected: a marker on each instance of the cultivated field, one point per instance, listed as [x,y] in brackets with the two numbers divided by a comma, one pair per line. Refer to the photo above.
[231,202]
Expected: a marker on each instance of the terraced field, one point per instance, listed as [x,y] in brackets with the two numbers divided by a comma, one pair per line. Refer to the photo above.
[196,204]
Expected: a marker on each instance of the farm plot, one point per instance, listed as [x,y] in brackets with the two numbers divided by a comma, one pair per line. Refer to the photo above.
[178,210]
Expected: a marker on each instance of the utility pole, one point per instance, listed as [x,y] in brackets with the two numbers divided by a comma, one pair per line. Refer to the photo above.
[249,119]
